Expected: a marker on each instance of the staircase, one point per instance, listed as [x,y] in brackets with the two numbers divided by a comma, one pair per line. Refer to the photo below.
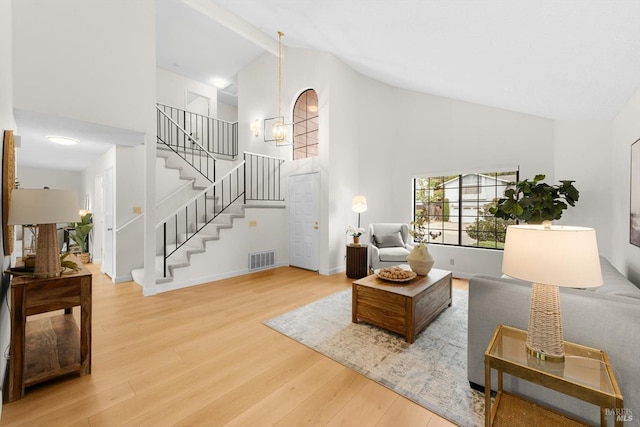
[193,204]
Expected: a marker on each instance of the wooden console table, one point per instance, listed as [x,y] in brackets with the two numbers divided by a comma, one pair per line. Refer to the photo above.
[57,350]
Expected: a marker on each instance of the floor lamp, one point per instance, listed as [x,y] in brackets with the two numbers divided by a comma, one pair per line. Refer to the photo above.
[549,257]
[359,205]
[46,208]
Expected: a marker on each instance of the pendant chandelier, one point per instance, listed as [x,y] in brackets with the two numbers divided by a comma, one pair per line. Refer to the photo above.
[279,129]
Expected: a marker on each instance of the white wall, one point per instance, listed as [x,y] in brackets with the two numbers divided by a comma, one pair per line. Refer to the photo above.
[229,256]
[583,153]
[171,90]
[100,64]
[130,168]
[626,130]
[7,122]
[303,69]
[342,152]
[375,138]
[88,50]
[52,178]
[409,134]
[228,113]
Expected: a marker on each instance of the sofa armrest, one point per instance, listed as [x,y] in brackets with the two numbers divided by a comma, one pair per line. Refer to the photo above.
[604,322]
[374,255]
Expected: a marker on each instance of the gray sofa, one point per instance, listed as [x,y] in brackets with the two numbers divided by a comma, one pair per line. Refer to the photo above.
[607,318]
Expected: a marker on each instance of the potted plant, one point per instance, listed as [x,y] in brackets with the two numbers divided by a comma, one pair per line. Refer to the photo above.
[535,201]
[420,260]
[80,235]
[355,233]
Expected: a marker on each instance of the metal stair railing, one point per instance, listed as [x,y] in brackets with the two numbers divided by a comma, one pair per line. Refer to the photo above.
[178,140]
[189,219]
[218,137]
[262,178]
[257,178]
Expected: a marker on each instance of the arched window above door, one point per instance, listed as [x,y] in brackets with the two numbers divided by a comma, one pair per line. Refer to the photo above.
[305,125]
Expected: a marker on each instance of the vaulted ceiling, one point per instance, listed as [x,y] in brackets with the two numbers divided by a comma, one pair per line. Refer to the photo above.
[557,59]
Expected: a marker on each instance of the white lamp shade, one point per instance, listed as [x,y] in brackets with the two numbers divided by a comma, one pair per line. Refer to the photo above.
[359,204]
[35,206]
[558,255]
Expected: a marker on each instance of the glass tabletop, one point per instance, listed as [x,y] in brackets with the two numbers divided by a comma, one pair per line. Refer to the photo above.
[582,365]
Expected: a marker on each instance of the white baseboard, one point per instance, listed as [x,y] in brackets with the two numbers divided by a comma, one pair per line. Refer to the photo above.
[332,271]
[174,285]
[120,279]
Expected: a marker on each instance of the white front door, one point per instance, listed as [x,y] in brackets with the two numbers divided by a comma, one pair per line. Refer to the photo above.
[107,193]
[304,221]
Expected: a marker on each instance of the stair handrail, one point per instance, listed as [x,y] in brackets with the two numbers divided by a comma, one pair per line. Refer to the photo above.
[194,202]
[240,174]
[174,192]
[218,135]
[263,155]
[197,114]
[192,199]
[194,141]
[128,223]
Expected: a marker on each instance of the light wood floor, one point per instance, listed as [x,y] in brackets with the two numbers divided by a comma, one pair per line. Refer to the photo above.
[201,356]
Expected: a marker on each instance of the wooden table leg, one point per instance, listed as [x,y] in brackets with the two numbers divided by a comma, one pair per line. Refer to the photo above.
[354,303]
[17,345]
[409,320]
[85,326]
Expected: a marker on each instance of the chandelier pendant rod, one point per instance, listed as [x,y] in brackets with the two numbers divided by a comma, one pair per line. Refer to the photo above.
[280,34]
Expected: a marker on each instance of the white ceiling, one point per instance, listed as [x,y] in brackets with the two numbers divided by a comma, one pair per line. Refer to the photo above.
[193,45]
[37,151]
[557,59]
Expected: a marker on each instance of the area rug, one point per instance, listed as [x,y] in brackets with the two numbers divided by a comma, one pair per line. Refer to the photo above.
[432,371]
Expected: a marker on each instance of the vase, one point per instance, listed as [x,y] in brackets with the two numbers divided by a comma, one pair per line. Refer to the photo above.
[420,260]
[356,240]
[84,258]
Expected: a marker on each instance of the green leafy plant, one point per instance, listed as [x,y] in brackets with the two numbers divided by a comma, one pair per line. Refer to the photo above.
[68,264]
[419,232]
[81,232]
[489,231]
[536,201]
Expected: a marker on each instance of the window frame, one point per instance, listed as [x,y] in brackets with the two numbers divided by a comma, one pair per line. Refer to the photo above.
[434,197]
[309,118]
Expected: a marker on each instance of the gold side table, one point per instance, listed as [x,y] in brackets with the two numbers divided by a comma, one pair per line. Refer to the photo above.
[585,374]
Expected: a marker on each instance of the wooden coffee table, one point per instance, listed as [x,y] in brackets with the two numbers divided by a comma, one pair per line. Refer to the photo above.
[402,307]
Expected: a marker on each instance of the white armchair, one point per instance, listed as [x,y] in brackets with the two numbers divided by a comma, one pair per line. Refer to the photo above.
[389,244]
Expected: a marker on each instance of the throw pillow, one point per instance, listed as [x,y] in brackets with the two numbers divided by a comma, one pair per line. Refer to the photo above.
[389,240]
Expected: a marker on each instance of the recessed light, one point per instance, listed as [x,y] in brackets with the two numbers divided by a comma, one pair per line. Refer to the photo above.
[220,83]
[62,140]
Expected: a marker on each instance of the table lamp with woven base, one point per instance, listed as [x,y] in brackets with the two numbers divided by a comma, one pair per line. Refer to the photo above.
[550,256]
[46,208]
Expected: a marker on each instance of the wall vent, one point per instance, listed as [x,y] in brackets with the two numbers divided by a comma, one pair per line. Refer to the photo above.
[262,260]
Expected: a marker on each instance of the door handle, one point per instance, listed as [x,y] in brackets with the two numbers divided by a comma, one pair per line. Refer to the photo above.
[315,225]
[109,229]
